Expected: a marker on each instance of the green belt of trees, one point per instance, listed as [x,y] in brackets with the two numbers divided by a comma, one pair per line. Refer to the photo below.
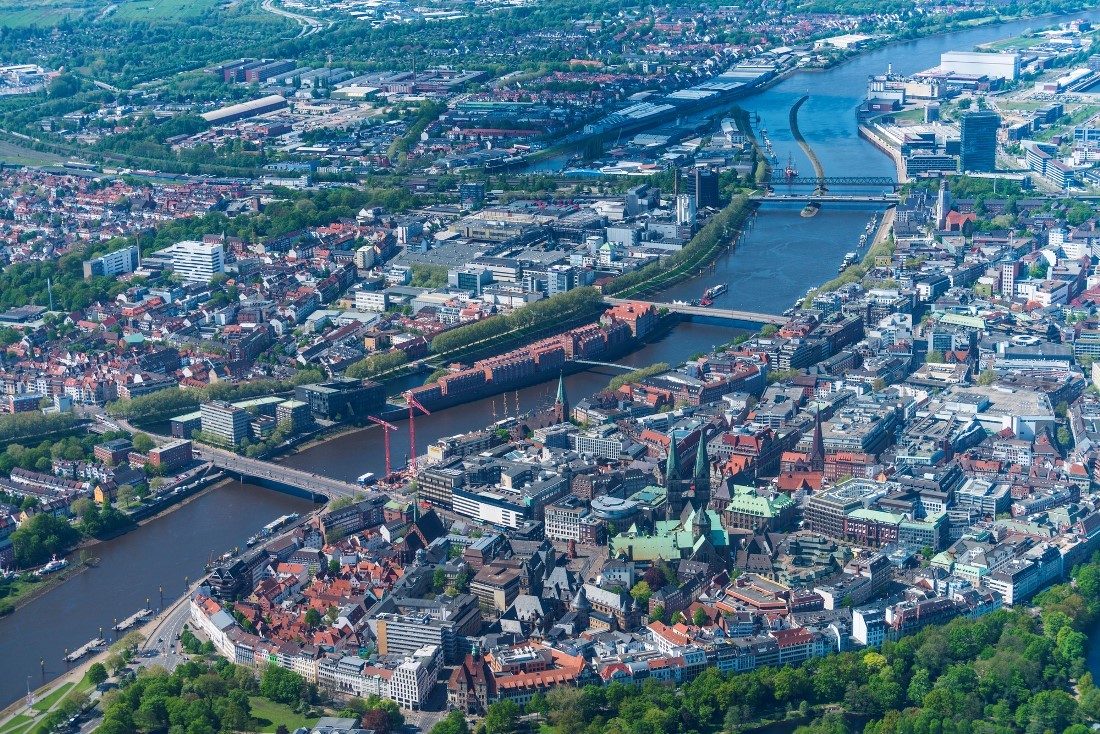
[539,314]
[1008,672]
[171,402]
[705,245]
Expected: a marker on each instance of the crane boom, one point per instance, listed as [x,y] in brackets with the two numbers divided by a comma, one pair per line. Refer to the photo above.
[413,403]
[386,428]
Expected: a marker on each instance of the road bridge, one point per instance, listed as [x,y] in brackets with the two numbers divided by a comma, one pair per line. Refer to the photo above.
[723,316]
[277,476]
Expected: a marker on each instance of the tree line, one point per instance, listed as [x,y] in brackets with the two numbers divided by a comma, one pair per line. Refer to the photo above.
[1008,672]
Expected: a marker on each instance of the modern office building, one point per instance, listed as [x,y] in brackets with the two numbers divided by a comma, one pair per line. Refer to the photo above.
[703,185]
[342,398]
[226,421]
[979,140]
[196,262]
[113,263]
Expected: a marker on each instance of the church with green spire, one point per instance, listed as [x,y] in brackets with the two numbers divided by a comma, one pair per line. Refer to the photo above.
[561,402]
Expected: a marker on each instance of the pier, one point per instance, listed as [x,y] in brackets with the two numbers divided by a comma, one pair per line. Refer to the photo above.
[87,647]
[132,620]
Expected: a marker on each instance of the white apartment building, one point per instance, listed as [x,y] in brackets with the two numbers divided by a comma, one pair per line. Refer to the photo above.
[196,262]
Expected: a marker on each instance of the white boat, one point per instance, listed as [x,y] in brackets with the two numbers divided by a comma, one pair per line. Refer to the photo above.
[55,564]
[366,479]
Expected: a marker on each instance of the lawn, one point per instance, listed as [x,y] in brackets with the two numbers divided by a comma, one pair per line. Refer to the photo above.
[1019,42]
[914,115]
[44,704]
[17,724]
[269,715]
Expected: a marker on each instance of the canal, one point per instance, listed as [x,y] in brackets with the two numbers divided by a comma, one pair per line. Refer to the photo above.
[782,257]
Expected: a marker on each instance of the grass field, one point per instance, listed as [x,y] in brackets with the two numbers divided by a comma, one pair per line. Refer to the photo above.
[269,715]
[51,12]
[16,725]
[43,704]
[1014,43]
[163,9]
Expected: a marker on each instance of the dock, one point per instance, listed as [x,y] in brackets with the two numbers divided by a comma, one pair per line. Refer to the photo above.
[84,649]
[132,620]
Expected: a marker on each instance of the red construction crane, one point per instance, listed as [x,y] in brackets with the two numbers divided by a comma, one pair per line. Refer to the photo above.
[386,428]
[413,403]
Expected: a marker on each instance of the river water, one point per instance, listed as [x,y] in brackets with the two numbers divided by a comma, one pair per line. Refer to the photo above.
[782,257]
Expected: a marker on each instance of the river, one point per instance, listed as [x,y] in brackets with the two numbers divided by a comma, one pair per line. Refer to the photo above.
[782,257]
[131,569]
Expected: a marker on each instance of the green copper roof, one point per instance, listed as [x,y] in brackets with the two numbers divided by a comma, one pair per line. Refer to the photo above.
[672,464]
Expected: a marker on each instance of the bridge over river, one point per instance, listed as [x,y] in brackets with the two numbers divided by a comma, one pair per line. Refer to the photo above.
[722,316]
[277,476]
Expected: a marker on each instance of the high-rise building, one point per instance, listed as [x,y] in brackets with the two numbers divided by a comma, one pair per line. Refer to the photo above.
[196,262]
[685,209]
[702,183]
[560,278]
[226,421]
[112,263]
[979,140]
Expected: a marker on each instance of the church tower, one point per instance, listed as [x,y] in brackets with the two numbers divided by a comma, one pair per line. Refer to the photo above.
[817,451]
[674,478]
[943,205]
[561,403]
[702,472]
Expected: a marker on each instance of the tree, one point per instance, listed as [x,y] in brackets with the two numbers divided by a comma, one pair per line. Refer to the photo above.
[987,377]
[699,617]
[41,537]
[769,330]
[452,723]
[439,579]
[96,674]
[641,592]
[281,685]
[502,717]
[313,618]
[142,443]
[334,566]
[538,705]
[658,614]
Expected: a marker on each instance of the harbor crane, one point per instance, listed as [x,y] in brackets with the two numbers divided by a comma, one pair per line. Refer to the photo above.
[386,428]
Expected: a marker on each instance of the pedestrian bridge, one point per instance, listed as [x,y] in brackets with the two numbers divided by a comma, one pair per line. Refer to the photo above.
[612,365]
[722,316]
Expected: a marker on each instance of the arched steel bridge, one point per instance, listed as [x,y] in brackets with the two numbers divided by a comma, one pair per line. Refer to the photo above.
[880,181]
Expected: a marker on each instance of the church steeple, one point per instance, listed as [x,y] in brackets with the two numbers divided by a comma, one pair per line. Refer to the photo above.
[817,451]
[561,402]
[674,478]
[672,463]
[702,471]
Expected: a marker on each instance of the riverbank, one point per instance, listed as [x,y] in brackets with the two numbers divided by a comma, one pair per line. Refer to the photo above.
[867,132]
[36,589]
[881,245]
